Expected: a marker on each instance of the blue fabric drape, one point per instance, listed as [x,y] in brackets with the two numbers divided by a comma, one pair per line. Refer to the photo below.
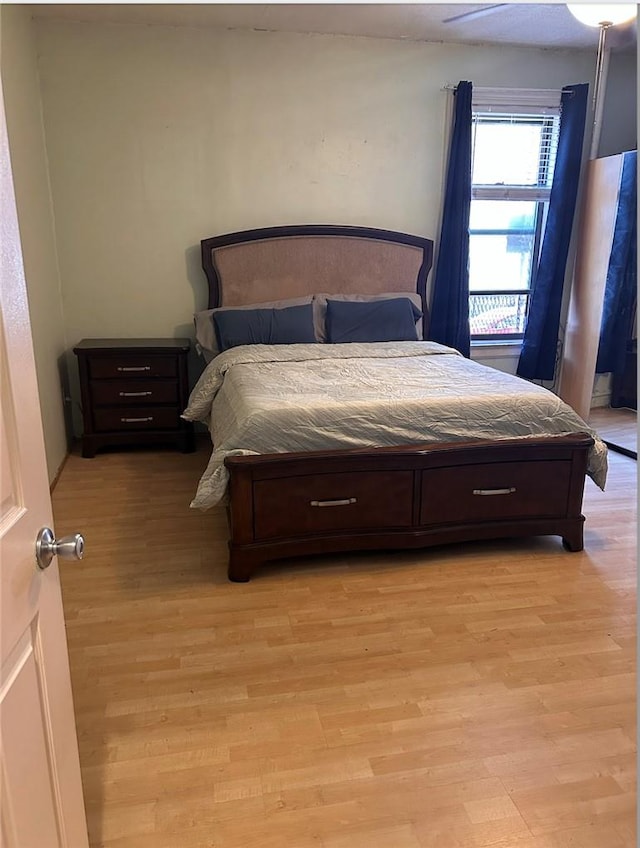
[449,322]
[620,287]
[539,346]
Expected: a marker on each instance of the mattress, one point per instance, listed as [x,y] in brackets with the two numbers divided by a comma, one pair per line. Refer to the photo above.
[259,399]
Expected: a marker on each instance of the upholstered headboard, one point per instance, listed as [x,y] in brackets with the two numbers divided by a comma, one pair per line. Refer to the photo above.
[276,263]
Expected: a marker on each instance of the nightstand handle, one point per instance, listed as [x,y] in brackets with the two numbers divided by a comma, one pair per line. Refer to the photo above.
[135,420]
[133,368]
[135,394]
[507,491]
[339,502]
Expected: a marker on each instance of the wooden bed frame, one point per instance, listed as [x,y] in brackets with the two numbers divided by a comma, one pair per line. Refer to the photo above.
[289,505]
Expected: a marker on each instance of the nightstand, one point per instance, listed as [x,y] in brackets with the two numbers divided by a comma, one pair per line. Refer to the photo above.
[133,391]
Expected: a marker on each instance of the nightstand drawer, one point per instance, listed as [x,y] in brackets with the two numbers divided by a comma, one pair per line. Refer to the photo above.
[154,392]
[136,365]
[136,418]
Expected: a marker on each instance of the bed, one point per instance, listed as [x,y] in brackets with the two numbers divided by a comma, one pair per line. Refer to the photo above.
[383,444]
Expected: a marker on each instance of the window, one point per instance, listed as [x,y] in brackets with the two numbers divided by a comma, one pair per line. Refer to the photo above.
[514,153]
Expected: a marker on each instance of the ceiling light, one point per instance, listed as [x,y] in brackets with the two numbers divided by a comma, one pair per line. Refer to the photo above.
[609,14]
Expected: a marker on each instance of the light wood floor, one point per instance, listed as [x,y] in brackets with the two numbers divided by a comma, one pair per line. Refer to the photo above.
[619,426]
[481,695]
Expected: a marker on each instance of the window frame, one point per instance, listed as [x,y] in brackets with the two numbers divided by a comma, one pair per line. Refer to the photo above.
[509,105]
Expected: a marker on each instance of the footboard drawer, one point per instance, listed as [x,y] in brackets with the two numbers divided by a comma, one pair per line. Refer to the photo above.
[312,504]
[495,491]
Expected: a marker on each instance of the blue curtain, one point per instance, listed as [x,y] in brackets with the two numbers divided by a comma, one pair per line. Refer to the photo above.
[539,346]
[620,287]
[449,323]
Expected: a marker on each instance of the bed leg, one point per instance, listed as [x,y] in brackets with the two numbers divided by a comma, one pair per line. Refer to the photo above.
[574,541]
[241,566]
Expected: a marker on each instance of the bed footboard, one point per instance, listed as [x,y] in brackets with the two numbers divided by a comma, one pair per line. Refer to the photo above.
[291,505]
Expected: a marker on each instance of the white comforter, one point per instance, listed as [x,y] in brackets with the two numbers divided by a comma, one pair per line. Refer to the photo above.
[283,398]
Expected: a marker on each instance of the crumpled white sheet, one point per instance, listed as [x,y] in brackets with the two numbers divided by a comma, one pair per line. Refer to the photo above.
[260,399]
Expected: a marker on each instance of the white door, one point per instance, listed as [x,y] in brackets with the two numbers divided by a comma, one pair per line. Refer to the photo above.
[41,801]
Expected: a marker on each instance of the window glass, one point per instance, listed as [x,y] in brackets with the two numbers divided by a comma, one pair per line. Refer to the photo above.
[507,154]
[497,314]
[503,215]
[501,262]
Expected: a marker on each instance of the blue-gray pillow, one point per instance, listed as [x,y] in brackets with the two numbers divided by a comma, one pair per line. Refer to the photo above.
[293,325]
[392,320]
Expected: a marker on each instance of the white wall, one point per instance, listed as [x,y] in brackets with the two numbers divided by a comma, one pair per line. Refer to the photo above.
[157,137]
[21,89]
[620,113]
[160,136]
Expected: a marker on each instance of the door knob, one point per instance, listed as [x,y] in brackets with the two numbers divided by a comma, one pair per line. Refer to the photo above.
[69,547]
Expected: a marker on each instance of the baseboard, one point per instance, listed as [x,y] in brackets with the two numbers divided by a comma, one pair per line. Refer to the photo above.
[56,476]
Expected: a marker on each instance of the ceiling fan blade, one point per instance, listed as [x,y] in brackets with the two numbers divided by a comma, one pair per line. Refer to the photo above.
[476,13]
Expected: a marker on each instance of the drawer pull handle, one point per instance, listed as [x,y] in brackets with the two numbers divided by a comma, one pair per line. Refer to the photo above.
[133,368]
[508,491]
[135,420]
[342,502]
[135,394]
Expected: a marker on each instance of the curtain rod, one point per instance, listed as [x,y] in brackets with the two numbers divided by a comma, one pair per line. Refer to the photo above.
[451,87]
